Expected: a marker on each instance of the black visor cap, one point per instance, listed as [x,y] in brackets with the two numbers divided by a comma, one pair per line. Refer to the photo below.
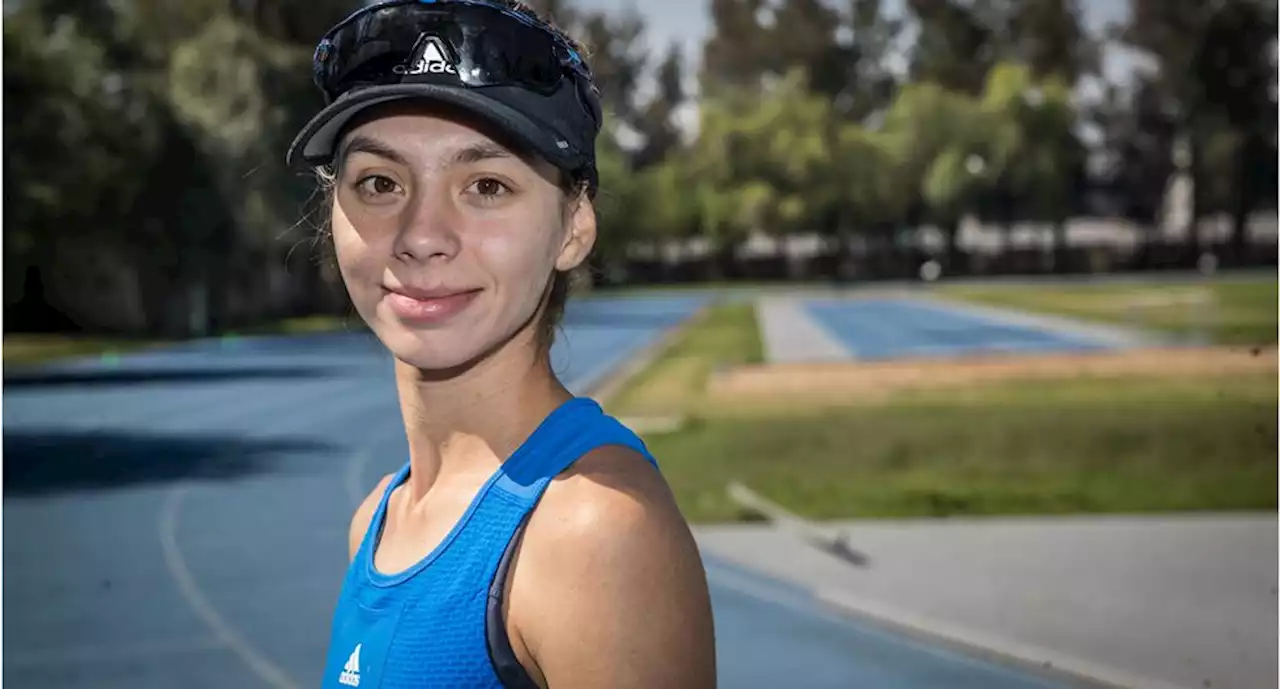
[487,62]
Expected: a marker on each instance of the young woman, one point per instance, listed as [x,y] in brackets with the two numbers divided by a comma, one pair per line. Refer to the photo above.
[528,540]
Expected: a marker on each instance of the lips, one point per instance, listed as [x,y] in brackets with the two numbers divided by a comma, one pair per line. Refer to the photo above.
[425,294]
[429,305]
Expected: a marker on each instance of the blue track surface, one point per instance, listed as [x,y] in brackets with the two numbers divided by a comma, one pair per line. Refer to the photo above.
[178,519]
[892,328]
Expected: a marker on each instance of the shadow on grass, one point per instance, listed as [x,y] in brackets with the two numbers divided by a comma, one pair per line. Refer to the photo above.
[52,461]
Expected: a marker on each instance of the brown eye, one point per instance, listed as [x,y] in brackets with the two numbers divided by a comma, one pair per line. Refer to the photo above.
[377,185]
[490,187]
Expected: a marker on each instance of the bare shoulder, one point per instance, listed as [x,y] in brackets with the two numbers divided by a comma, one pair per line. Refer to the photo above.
[614,488]
[622,595]
[364,515]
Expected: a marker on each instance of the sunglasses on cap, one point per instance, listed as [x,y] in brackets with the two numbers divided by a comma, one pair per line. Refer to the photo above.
[472,42]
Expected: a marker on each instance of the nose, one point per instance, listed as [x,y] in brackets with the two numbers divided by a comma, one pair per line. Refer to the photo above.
[427,230]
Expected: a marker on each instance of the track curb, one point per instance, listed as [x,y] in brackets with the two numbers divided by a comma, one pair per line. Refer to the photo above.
[1053,665]
[605,387]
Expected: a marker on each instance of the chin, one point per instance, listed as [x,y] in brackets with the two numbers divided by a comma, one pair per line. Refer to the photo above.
[429,350]
[448,346]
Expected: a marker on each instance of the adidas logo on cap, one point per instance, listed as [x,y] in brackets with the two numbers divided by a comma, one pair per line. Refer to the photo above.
[430,58]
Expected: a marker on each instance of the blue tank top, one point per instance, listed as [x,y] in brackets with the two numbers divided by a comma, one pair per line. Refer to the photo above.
[439,623]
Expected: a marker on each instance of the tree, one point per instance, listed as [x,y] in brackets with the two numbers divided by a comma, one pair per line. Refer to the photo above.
[938,138]
[872,196]
[956,46]
[655,120]
[1042,161]
[947,150]
[804,35]
[1235,78]
[1208,53]
[81,141]
[292,22]
[733,56]
[1049,37]
[615,49]
[560,12]
[874,35]
[1138,138]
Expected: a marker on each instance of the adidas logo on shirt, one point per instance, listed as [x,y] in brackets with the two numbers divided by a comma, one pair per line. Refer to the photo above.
[351,671]
[431,58]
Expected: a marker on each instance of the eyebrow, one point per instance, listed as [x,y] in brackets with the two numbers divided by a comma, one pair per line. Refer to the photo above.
[469,155]
[365,144]
[479,152]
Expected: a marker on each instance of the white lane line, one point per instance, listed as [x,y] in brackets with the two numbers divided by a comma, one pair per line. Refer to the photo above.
[167,524]
[791,334]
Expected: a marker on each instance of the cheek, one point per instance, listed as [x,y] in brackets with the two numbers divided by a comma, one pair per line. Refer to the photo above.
[354,254]
[518,260]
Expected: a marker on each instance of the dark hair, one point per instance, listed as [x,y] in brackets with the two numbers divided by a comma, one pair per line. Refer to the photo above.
[562,282]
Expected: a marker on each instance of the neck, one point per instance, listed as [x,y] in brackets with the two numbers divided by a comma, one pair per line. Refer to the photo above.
[471,420]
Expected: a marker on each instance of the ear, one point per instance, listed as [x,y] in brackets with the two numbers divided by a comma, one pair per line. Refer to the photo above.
[580,236]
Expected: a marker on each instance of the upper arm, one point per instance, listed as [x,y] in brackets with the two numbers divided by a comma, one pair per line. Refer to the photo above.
[364,515]
[622,596]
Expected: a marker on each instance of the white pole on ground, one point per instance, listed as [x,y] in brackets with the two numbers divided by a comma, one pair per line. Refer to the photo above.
[828,540]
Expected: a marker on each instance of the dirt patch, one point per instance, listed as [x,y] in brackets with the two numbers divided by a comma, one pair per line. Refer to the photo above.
[837,379]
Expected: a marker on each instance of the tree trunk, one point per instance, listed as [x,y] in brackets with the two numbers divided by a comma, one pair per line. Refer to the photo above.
[722,260]
[952,231]
[1059,245]
[1145,239]
[1242,202]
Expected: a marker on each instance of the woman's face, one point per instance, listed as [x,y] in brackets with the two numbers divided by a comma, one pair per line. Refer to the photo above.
[446,239]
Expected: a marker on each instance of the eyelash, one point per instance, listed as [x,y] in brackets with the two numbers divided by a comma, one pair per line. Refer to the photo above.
[363,186]
[505,189]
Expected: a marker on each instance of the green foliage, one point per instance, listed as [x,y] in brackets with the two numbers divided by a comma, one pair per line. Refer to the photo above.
[765,163]
[145,139]
[224,84]
[68,99]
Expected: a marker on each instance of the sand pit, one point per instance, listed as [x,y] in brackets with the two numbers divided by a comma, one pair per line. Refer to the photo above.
[839,379]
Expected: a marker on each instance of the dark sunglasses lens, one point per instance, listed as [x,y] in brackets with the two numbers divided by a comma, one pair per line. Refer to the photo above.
[488,48]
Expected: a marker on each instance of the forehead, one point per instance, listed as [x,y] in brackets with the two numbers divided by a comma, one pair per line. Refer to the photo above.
[428,133]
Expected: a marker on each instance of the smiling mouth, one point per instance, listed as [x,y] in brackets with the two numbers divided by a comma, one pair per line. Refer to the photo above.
[428,306]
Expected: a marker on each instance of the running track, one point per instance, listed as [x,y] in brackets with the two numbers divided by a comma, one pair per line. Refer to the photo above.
[882,328]
[178,518]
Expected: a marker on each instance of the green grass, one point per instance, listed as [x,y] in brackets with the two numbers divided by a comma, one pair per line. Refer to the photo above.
[725,335]
[1019,451]
[1233,312]
[1075,445]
